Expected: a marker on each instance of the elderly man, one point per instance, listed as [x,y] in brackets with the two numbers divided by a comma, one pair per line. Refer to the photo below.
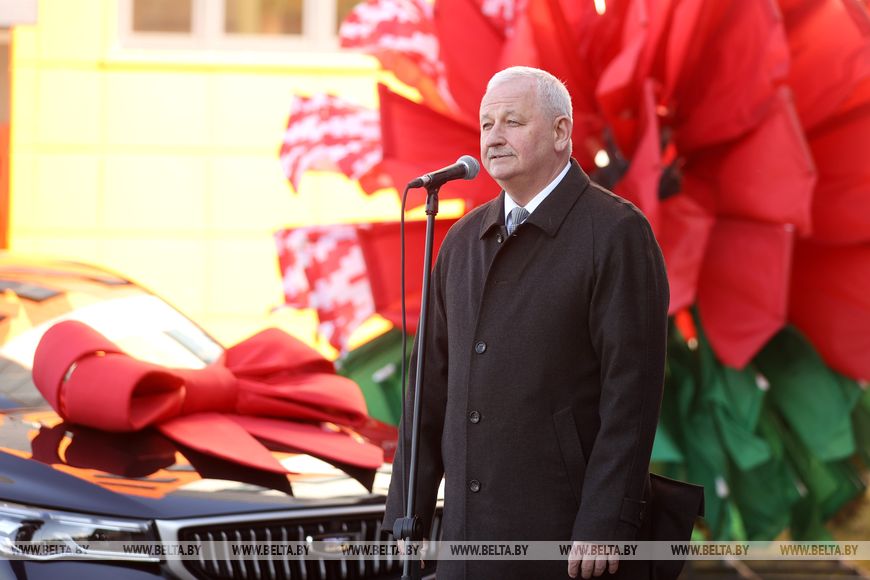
[545,362]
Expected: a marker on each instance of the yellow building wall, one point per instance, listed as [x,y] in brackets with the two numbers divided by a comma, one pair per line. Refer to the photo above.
[163,165]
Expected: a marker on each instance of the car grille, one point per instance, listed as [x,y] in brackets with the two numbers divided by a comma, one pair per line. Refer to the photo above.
[279,568]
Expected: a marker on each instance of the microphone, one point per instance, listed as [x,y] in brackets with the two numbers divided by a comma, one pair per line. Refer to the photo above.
[466,167]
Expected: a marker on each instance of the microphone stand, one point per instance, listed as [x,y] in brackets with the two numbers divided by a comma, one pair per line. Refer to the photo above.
[408,528]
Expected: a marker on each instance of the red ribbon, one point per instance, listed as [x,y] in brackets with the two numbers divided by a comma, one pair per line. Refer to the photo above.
[270,387]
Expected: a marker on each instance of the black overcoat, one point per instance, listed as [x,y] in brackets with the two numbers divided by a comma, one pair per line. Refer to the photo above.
[543,377]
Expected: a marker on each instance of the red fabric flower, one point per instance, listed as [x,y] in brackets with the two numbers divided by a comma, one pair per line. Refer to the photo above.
[731,125]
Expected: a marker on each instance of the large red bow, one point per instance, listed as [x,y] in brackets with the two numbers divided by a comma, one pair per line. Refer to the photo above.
[269,387]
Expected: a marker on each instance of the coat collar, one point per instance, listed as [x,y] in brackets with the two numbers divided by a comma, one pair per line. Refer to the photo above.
[552,211]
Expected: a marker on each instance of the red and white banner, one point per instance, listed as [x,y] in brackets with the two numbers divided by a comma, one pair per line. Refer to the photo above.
[323,268]
[326,132]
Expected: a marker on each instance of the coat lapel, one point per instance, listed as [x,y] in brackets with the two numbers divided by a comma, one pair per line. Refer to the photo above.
[553,210]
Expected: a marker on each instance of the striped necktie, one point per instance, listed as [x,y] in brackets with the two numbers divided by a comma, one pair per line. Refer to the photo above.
[517,216]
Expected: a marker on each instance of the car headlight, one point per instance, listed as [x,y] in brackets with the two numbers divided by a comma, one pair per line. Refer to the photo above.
[33,533]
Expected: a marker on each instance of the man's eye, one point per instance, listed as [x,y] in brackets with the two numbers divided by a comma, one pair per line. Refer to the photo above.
[513,123]
[486,126]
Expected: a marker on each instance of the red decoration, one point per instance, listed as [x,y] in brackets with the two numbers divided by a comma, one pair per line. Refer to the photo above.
[417,139]
[269,387]
[402,37]
[316,263]
[477,35]
[743,289]
[326,132]
[381,245]
[841,203]
[830,303]
[683,233]
[740,129]
[323,268]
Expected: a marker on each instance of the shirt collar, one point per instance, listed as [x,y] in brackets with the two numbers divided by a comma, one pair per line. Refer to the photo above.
[548,216]
[509,203]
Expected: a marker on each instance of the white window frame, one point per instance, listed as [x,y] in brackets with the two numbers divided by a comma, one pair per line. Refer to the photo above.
[207,30]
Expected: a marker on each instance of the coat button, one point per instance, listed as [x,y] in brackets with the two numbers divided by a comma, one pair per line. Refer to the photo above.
[474,486]
[480,347]
[499,238]
[474,417]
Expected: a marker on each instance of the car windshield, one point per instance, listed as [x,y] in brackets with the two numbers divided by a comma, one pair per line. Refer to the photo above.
[141,324]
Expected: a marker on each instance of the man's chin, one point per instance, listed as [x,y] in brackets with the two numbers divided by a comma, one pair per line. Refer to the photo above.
[500,169]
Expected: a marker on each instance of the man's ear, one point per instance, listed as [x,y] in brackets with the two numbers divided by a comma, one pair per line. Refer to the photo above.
[562,129]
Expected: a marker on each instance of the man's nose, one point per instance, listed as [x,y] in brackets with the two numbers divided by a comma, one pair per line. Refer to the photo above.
[494,136]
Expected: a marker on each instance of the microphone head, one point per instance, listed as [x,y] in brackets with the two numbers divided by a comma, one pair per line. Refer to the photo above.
[472,167]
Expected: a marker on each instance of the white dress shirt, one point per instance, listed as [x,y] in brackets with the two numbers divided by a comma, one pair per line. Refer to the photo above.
[509,202]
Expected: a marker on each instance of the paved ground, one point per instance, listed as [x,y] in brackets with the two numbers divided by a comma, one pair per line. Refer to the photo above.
[769,570]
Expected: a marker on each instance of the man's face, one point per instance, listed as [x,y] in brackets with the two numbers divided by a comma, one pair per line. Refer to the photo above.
[517,137]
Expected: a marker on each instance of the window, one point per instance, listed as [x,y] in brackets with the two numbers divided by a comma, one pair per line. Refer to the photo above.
[268,24]
[162,15]
[267,17]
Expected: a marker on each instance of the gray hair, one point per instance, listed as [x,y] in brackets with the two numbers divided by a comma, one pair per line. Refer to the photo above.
[551,90]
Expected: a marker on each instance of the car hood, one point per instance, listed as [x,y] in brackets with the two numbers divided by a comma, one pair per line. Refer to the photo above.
[49,463]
